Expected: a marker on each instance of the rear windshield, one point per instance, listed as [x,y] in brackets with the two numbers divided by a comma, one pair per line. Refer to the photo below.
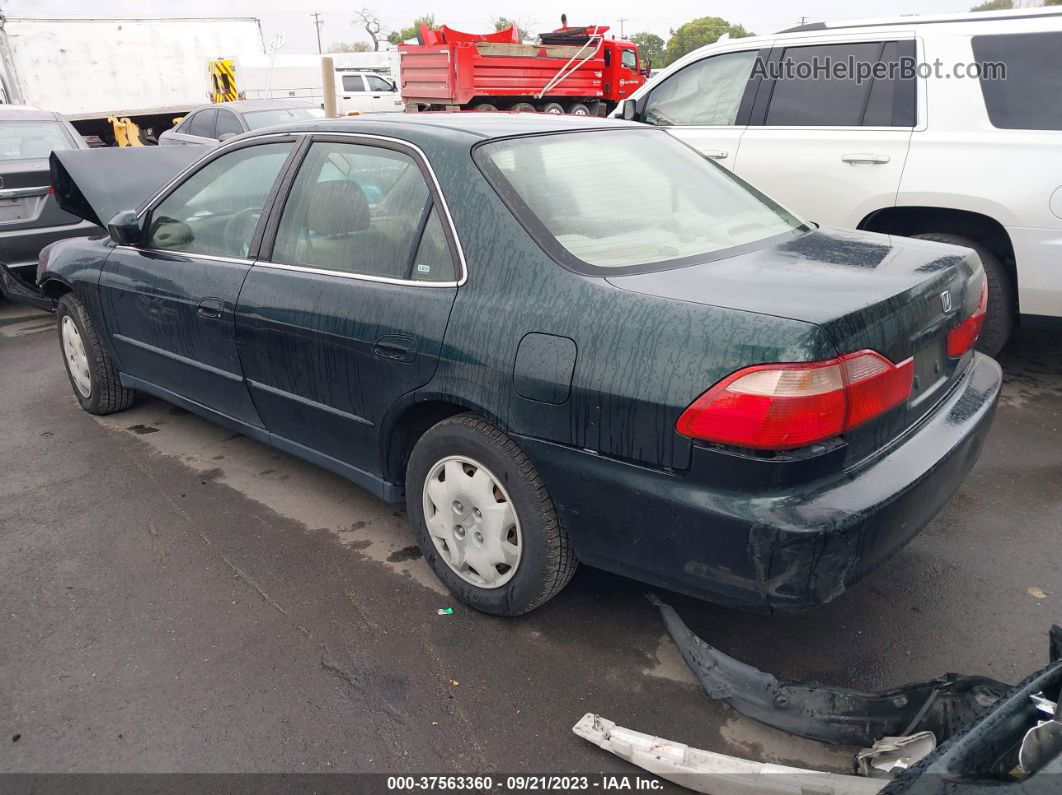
[25,140]
[256,119]
[628,199]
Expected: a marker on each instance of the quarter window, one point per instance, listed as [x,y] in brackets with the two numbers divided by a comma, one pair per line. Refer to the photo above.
[705,93]
[203,123]
[215,211]
[228,123]
[1028,98]
[366,210]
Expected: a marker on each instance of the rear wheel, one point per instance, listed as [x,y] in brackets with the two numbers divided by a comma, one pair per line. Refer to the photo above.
[552,108]
[484,107]
[523,107]
[483,518]
[999,320]
[579,109]
[92,374]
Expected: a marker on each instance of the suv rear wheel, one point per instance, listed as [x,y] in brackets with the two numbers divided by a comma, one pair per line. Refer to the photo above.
[483,519]
[999,321]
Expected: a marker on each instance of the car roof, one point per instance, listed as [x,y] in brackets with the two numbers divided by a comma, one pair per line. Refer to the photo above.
[471,124]
[925,19]
[27,113]
[248,105]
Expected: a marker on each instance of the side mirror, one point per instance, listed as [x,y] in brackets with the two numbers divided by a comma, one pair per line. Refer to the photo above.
[630,109]
[227,135]
[125,229]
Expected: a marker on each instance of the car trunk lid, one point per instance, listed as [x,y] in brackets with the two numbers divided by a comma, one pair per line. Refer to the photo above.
[897,296]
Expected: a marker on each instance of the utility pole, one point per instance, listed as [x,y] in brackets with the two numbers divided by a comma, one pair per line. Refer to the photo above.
[317,24]
[621,21]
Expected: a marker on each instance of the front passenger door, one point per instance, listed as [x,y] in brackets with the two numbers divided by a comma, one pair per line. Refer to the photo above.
[171,300]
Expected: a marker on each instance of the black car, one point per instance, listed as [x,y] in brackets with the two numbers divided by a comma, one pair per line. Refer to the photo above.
[557,339]
[30,219]
[212,123]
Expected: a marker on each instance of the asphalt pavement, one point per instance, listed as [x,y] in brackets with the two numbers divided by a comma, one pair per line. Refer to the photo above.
[175,597]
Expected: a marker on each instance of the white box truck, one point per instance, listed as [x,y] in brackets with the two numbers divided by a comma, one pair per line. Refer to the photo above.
[146,70]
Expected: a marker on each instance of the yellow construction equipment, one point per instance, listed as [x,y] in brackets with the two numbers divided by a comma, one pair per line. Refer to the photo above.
[223,80]
[126,133]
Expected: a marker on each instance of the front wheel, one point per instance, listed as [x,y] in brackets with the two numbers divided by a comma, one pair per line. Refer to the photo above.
[483,518]
[92,374]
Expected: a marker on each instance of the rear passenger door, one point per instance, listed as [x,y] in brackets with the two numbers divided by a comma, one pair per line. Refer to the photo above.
[356,99]
[345,311]
[831,146]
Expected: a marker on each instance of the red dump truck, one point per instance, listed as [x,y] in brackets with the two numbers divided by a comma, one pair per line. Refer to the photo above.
[575,70]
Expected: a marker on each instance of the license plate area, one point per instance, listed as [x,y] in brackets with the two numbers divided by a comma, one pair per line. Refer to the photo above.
[22,209]
[932,371]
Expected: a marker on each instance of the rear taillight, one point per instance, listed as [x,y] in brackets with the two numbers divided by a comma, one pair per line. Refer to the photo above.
[785,406]
[963,336]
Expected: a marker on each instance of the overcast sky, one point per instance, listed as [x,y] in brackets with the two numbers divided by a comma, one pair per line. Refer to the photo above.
[293,17]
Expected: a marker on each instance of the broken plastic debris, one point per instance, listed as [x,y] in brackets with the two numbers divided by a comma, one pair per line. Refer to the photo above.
[445,611]
[454,683]
[1036,593]
[890,756]
[708,772]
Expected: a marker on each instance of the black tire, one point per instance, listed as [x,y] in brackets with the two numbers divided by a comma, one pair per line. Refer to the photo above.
[523,107]
[999,320]
[485,107]
[547,561]
[106,393]
[579,109]
[553,108]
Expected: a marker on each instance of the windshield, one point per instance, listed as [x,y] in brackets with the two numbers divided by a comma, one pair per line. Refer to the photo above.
[23,140]
[256,119]
[628,198]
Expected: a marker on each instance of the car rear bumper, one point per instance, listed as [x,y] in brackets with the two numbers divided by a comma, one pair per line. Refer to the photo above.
[22,247]
[767,551]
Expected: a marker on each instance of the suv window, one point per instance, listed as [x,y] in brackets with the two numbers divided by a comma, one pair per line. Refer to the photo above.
[361,209]
[202,123]
[378,83]
[845,101]
[215,211]
[228,123]
[707,92]
[353,83]
[1028,98]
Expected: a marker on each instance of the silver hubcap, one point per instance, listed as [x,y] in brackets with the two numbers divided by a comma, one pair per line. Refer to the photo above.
[472,522]
[76,358]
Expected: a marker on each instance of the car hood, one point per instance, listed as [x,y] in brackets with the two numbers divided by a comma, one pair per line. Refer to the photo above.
[94,184]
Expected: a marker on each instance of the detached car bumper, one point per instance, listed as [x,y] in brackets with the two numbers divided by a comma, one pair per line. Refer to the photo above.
[778,550]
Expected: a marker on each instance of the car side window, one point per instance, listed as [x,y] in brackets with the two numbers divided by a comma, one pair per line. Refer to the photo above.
[362,209]
[629,60]
[378,83]
[203,123]
[848,100]
[1028,98]
[705,93]
[353,83]
[228,123]
[215,210]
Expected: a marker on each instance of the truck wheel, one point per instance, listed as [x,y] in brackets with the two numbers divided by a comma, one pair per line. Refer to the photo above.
[999,320]
[553,108]
[484,107]
[579,109]
[523,107]
[483,518]
[92,373]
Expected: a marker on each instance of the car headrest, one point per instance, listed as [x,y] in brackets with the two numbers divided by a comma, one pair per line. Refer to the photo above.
[337,207]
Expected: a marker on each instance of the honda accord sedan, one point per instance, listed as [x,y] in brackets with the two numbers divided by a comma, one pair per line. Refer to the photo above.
[556,339]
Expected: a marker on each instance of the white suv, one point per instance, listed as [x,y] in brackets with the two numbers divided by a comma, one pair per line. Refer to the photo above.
[924,147]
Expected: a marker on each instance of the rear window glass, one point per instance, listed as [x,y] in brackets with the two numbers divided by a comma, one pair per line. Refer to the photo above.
[25,140]
[628,199]
[256,119]
[1028,99]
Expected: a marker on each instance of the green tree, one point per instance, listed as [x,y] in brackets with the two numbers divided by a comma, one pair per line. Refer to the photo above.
[994,5]
[650,46]
[698,32]
[399,36]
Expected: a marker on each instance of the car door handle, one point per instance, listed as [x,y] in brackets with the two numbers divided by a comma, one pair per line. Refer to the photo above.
[865,160]
[210,307]
[375,96]
[394,346]
[717,154]
[346,96]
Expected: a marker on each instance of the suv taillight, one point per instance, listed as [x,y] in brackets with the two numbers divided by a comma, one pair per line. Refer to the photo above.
[963,336]
[785,406]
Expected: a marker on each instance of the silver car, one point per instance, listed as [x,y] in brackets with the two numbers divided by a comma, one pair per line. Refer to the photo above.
[212,123]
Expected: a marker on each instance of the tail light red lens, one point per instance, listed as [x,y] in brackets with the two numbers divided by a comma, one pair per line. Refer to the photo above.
[785,406]
[963,336]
